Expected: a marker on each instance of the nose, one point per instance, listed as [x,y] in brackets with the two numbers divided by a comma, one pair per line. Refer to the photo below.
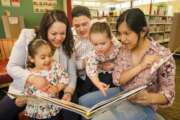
[99,47]
[123,38]
[81,28]
[59,37]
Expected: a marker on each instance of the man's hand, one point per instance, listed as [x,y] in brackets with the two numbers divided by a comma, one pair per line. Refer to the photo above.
[107,66]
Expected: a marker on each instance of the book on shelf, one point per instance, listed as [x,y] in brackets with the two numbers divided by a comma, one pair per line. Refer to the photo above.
[86,112]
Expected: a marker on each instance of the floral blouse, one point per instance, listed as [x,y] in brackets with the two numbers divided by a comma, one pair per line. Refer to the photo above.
[94,60]
[163,79]
[40,109]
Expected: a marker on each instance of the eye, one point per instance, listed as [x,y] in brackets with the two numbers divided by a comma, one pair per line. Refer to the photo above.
[53,33]
[42,57]
[63,33]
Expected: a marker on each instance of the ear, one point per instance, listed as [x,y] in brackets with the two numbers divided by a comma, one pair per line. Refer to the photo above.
[31,59]
[144,32]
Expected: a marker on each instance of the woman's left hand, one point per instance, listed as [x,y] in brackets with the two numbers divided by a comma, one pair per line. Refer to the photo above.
[67,97]
[144,98]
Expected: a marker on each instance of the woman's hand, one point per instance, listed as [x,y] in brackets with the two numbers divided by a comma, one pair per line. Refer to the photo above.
[102,87]
[20,101]
[67,96]
[144,98]
[148,60]
[39,82]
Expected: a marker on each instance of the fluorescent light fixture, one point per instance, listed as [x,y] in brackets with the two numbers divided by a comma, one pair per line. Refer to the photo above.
[76,2]
[141,2]
[95,4]
[158,1]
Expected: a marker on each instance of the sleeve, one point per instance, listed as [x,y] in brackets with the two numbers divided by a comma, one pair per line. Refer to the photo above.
[167,81]
[72,74]
[63,76]
[92,66]
[16,64]
[120,66]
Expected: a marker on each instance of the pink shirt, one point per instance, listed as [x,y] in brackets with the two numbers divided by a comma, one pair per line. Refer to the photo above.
[163,78]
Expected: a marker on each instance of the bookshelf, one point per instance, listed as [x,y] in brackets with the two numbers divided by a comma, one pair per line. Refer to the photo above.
[159,26]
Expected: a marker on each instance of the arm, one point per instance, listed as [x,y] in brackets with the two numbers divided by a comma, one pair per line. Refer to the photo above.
[123,74]
[166,93]
[167,82]
[17,60]
[92,73]
[72,74]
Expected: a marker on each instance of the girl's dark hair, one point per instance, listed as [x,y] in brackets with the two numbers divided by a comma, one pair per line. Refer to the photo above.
[101,27]
[57,16]
[81,11]
[32,49]
[135,20]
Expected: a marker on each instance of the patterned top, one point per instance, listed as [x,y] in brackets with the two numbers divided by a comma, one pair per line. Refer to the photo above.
[95,59]
[40,109]
[82,48]
[163,79]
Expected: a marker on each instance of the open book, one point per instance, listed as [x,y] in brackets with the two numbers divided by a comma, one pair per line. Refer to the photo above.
[82,110]
[101,106]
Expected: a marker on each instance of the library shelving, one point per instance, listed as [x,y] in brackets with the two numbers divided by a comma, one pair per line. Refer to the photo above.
[159,26]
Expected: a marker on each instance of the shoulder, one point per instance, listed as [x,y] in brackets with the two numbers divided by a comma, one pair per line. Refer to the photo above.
[159,49]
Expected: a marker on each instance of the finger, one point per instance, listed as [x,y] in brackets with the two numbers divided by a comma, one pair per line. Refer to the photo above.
[104,92]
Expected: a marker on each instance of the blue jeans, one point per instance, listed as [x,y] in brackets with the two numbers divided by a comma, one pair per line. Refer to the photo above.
[124,111]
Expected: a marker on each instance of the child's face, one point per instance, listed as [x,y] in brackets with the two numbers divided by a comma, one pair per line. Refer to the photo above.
[43,58]
[101,42]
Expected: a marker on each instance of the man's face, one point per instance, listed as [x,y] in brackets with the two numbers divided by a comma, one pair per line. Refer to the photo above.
[82,25]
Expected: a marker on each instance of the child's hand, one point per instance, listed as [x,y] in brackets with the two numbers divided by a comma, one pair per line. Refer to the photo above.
[21,101]
[38,82]
[108,66]
[102,87]
[53,90]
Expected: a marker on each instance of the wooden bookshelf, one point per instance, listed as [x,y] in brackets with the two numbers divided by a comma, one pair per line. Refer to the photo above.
[159,26]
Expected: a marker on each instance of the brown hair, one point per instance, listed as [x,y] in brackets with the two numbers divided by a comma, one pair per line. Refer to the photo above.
[101,27]
[57,16]
[32,49]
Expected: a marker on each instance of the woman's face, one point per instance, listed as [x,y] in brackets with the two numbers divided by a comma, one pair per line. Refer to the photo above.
[57,34]
[101,42]
[129,38]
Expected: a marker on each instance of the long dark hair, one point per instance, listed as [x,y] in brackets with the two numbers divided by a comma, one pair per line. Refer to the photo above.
[47,20]
[135,20]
